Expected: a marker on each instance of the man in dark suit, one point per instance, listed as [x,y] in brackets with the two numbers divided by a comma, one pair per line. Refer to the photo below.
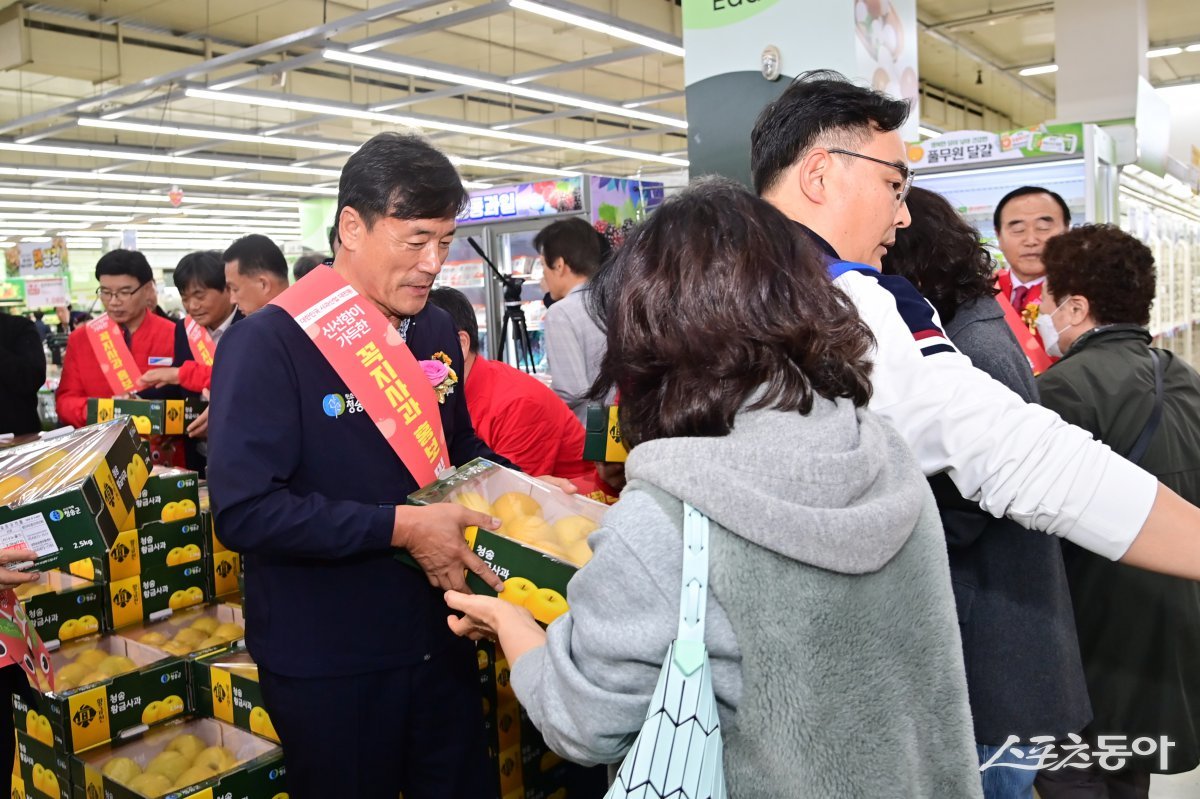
[371,693]
[23,364]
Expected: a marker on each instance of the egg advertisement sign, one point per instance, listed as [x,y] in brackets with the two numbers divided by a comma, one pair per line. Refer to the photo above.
[886,47]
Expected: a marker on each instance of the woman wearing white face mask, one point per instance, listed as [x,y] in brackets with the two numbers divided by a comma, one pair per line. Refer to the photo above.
[1139,633]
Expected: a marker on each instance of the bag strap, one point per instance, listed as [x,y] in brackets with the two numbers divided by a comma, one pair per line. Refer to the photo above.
[693,598]
[1143,440]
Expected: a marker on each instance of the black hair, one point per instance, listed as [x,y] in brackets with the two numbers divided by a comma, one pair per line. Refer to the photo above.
[305,264]
[941,254]
[820,106]
[1025,191]
[255,254]
[684,365]
[204,269]
[575,241]
[125,262]
[455,303]
[335,238]
[401,176]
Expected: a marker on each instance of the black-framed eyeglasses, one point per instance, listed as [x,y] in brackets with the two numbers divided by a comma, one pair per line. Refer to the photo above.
[119,294]
[905,171]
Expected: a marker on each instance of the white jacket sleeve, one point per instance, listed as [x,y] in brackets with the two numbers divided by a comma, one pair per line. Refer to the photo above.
[1014,459]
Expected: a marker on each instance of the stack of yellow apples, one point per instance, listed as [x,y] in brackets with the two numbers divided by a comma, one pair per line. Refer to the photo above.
[203,633]
[174,511]
[89,666]
[184,761]
[523,519]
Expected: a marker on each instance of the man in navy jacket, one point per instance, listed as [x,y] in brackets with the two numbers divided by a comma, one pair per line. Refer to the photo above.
[369,690]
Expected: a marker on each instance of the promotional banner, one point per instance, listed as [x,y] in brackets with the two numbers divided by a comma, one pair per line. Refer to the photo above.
[111,351]
[963,147]
[524,201]
[37,258]
[371,358]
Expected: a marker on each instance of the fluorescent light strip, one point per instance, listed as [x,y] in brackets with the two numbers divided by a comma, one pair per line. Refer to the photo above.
[198,213]
[930,132]
[134,155]
[285,141]
[416,71]
[596,25]
[1044,69]
[1163,51]
[83,194]
[414,122]
[67,174]
[1193,48]
[56,219]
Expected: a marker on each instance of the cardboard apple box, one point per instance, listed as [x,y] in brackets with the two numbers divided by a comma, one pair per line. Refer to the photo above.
[152,417]
[171,636]
[66,497]
[62,607]
[543,538]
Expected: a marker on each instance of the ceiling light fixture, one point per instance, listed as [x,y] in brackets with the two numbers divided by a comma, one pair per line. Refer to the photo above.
[928,131]
[290,141]
[417,71]
[597,25]
[1044,69]
[416,122]
[192,199]
[167,180]
[1163,51]
[1193,48]
[135,155]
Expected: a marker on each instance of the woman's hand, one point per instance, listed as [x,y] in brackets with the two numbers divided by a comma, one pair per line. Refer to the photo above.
[493,619]
[565,485]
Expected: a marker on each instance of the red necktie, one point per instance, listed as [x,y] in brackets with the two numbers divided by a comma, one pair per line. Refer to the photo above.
[1020,294]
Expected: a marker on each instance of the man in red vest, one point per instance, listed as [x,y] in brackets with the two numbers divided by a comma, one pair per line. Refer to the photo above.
[1025,219]
[130,337]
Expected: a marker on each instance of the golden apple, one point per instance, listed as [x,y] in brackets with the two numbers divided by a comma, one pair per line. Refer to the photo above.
[516,590]
[194,775]
[205,624]
[579,553]
[513,504]
[151,783]
[572,529]
[187,745]
[474,501]
[169,764]
[116,664]
[533,530]
[121,769]
[546,605]
[153,638]
[91,657]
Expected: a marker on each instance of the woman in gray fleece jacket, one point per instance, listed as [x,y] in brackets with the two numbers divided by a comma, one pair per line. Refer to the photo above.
[831,626]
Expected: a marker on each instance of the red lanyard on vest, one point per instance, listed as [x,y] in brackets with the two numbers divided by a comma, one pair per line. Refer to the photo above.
[116,361]
[373,361]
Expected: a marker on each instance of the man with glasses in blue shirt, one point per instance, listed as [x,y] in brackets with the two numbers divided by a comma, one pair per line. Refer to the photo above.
[123,277]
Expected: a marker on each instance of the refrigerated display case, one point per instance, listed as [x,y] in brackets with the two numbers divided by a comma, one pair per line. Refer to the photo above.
[503,221]
[1076,161]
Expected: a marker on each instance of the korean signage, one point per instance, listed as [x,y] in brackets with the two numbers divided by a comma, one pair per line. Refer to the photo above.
[46,292]
[37,259]
[524,201]
[978,146]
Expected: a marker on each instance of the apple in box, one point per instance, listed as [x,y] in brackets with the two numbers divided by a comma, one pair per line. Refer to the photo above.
[548,524]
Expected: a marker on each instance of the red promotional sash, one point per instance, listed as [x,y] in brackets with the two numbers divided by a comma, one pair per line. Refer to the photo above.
[1039,361]
[373,361]
[116,361]
[199,341]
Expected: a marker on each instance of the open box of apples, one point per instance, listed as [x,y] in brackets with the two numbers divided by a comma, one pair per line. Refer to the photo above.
[542,539]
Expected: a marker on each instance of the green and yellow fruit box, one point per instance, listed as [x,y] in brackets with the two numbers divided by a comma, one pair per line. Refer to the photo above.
[104,688]
[226,688]
[224,570]
[42,769]
[541,542]
[65,496]
[151,417]
[156,594]
[149,547]
[602,435]
[212,629]
[62,607]
[202,758]
[170,494]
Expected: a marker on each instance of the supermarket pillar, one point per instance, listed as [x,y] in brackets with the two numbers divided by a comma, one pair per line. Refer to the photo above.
[740,55]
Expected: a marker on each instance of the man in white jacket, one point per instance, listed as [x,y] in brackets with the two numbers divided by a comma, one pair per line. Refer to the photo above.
[829,155]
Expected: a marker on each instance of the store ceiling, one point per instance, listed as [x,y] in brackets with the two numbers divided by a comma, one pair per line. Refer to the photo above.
[514,95]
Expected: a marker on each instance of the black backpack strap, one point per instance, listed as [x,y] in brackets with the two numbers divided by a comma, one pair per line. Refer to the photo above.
[1143,440]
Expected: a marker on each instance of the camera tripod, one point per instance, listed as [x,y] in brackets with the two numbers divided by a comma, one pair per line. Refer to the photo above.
[512,314]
